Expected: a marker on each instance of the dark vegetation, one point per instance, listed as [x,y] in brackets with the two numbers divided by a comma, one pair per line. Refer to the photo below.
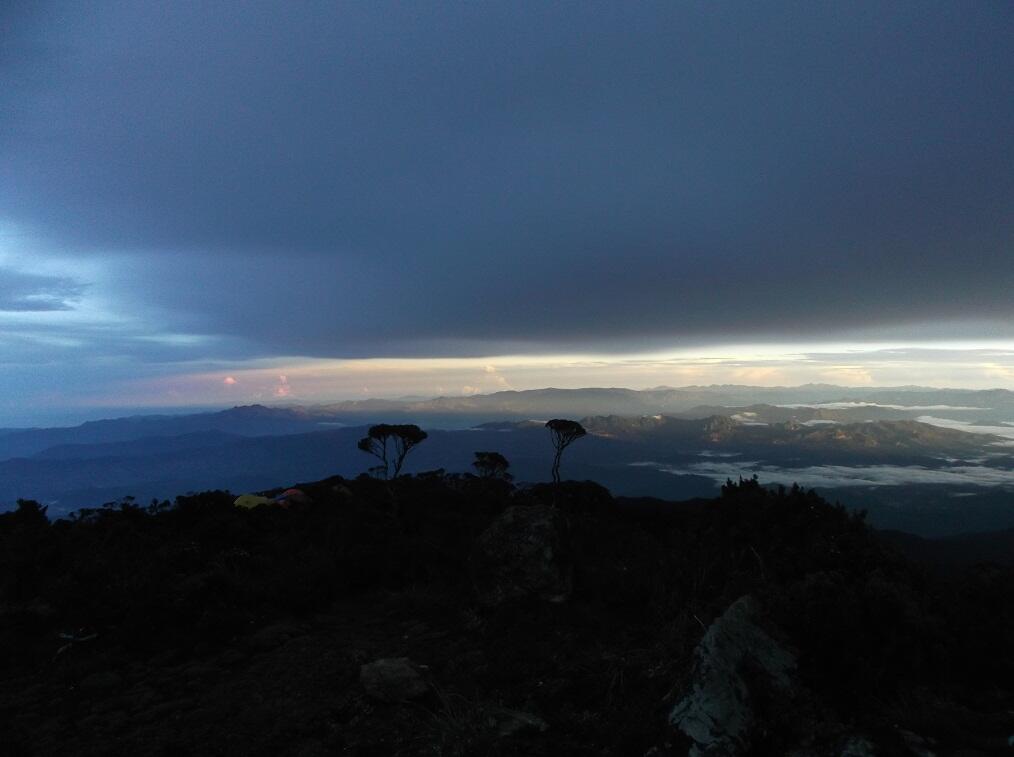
[492,465]
[549,619]
[202,628]
[82,475]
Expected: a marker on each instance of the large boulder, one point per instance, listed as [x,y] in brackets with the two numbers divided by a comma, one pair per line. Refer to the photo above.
[738,667]
[523,553]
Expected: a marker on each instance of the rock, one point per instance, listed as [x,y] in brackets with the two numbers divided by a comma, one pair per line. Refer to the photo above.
[508,722]
[198,671]
[916,744]
[273,636]
[141,696]
[470,663]
[202,717]
[89,722]
[117,720]
[101,681]
[164,658]
[857,746]
[39,608]
[717,714]
[393,679]
[163,710]
[232,657]
[523,554]
[312,748]
[34,694]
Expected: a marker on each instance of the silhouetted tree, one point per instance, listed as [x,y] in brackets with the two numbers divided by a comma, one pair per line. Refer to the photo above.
[564,433]
[28,513]
[401,438]
[492,465]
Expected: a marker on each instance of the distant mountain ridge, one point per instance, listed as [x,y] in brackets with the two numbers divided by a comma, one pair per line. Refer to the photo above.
[78,475]
[661,442]
[982,406]
[621,401]
[246,420]
[884,437]
[149,445]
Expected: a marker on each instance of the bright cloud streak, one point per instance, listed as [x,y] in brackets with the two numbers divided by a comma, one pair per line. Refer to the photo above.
[317,380]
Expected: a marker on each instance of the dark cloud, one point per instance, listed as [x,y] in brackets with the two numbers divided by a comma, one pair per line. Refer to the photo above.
[378,178]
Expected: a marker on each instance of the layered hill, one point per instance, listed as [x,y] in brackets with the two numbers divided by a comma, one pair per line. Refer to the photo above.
[766,404]
[76,475]
[876,440]
[664,442]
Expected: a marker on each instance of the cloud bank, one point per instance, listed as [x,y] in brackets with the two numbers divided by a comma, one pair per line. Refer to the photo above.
[347,181]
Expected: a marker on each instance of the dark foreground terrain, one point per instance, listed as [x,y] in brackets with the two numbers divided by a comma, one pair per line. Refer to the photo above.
[443,615]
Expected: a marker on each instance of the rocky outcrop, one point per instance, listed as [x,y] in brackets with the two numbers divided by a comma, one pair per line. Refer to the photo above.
[523,554]
[393,679]
[736,665]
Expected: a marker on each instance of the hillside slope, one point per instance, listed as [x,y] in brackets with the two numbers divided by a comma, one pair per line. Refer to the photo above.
[462,616]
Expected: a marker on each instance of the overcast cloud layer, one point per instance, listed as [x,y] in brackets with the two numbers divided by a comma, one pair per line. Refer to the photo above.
[192,182]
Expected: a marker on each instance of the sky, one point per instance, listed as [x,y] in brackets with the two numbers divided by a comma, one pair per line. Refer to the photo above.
[206,204]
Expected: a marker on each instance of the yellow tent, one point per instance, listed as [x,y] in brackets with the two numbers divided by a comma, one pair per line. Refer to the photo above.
[252,500]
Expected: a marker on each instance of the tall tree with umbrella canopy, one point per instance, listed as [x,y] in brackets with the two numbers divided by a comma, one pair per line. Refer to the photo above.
[564,433]
[402,438]
[492,465]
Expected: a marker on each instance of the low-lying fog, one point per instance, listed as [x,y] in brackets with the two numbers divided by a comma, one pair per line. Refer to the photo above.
[832,476]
